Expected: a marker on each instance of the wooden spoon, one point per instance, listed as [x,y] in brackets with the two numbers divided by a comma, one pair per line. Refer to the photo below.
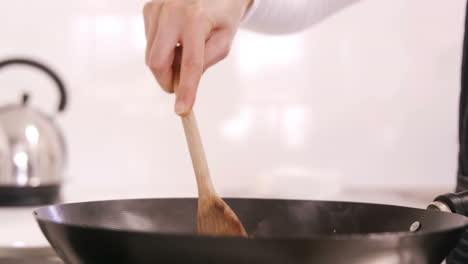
[214,216]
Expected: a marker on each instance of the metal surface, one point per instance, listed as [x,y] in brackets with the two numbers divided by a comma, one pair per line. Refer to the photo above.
[13,196]
[439,206]
[5,163]
[415,227]
[36,148]
[282,231]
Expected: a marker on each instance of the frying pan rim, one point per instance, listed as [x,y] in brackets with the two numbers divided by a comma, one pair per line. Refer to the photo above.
[336,237]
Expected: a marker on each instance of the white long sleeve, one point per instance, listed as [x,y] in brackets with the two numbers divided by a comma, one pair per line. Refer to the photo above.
[287,16]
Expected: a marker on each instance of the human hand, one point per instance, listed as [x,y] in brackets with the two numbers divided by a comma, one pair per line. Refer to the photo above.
[204,29]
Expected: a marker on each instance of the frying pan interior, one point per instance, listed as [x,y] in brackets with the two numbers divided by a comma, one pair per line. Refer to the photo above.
[262,218]
[283,231]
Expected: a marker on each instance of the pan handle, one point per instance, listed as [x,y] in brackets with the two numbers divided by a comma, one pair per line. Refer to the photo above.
[451,202]
[454,203]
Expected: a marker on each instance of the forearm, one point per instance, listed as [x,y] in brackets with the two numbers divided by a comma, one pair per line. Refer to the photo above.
[287,16]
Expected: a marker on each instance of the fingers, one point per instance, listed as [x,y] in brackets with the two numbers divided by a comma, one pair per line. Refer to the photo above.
[193,49]
[165,40]
[168,23]
[151,15]
[217,47]
[146,18]
[195,61]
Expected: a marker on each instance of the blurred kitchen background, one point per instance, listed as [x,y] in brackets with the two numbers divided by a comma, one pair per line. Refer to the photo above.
[367,98]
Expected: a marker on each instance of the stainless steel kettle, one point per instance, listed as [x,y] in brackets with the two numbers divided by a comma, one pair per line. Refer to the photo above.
[32,148]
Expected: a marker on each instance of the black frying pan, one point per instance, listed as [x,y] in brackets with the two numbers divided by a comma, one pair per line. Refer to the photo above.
[283,231]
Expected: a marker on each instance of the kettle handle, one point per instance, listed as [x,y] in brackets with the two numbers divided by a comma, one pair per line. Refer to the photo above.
[45,69]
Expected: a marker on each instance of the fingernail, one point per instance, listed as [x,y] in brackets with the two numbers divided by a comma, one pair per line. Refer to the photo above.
[180,108]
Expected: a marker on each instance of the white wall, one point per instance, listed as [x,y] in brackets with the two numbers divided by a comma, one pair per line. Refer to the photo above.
[368,97]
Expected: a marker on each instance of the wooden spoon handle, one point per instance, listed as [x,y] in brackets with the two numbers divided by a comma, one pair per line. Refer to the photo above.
[199,163]
[194,142]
